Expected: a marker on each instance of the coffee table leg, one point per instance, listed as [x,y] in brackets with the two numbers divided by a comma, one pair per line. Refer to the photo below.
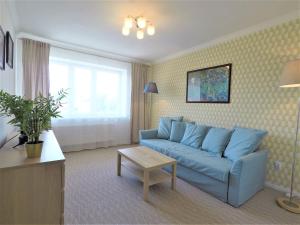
[173,186]
[119,165]
[146,185]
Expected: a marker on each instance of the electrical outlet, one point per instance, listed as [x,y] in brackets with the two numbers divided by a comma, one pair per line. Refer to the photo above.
[277,165]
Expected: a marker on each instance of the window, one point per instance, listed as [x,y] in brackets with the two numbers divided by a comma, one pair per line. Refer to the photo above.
[94,90]
[97,109]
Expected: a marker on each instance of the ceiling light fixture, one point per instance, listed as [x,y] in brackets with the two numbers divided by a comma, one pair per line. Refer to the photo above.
[125,31]
[128,22]
[151,29]
[140,34]
[141,24]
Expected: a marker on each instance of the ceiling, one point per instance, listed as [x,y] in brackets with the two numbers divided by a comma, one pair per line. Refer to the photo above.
[179,25]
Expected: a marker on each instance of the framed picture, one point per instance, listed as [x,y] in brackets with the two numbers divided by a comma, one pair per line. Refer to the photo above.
[9,50]
[209,85]
[2,49]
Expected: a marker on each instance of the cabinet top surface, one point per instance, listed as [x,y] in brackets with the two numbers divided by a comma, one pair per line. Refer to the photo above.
[16,157]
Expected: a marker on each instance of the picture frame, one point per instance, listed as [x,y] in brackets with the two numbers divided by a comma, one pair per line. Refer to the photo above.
[9,50]
[2,49]
[209,85]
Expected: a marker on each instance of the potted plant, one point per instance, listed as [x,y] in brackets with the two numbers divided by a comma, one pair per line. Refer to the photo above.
[31,116]
[14,106]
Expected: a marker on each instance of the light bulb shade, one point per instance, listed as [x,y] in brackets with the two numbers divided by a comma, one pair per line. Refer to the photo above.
[128,22]
[140,34]
[151,30]
[150,88]
[125,31]
[291,74]
[141,22]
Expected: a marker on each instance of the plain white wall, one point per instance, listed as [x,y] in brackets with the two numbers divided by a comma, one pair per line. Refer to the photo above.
[7,76]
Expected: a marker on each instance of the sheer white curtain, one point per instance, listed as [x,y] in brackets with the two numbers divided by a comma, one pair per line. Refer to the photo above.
[97,109]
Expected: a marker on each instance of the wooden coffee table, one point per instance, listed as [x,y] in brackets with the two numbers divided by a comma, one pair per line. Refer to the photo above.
[146,164]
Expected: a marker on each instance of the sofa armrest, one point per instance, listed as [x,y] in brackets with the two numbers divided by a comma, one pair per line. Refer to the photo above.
[247,176]
[148,134]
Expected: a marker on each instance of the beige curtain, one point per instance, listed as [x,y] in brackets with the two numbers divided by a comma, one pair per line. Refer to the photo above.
[35,59]
[139,106]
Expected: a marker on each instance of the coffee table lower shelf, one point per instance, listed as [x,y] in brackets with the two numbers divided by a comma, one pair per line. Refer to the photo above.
[147,165]
[155,177]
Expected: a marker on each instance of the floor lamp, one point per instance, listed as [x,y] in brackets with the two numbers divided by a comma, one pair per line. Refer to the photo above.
[150,88]
[291,78]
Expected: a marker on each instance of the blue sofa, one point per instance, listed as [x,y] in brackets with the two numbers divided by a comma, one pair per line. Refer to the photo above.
[232,181]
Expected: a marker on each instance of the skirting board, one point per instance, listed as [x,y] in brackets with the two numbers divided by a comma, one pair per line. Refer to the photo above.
[281,189]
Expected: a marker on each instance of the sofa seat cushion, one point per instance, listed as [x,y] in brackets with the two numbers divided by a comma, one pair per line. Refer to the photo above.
[201,161]
[179,149]
[160,145]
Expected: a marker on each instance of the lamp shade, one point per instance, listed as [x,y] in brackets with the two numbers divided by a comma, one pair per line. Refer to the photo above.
[150,88]
[291,74]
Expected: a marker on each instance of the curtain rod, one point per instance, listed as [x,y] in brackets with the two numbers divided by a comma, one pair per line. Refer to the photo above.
[97,55]
[89,53]
[80,49]
[100,56]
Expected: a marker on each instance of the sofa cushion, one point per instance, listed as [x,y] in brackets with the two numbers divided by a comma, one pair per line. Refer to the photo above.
[194,135]
[177,130]
[216,140]
[165,124]
[203,162]
[243,141]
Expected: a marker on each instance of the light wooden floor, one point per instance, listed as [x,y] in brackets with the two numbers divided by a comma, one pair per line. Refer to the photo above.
[94,194]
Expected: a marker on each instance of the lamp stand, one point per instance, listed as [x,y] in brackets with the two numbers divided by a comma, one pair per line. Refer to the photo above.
[149,112]
[287,202]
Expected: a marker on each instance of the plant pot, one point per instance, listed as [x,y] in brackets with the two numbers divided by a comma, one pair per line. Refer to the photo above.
[34,149]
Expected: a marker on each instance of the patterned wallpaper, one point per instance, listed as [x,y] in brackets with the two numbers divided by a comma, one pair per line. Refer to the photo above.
[256,99]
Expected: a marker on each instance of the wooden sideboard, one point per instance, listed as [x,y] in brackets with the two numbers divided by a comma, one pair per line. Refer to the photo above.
[32,190]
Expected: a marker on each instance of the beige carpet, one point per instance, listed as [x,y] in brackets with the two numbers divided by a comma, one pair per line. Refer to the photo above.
[95,195]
